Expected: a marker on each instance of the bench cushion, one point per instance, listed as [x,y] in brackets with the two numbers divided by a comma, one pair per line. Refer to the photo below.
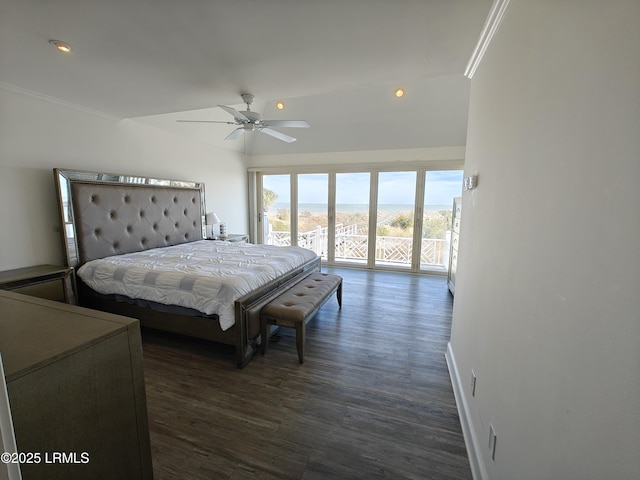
[302,299]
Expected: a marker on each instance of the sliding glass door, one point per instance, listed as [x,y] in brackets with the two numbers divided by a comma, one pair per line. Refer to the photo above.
[276,208]
[395,219]
[313,215]
[352,218]
[375,219]
[440,188]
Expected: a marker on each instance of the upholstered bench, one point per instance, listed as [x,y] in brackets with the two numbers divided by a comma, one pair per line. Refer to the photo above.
[297,305]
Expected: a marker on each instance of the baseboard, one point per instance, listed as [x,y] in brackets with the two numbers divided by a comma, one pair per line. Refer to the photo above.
[478,468]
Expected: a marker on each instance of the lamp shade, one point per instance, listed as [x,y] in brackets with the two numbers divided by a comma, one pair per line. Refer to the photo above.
[212,219]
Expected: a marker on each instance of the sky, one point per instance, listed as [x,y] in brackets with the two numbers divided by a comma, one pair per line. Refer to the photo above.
[396,188]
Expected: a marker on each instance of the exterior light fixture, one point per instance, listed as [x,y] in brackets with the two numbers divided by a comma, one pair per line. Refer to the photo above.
[280,105]
[399,92]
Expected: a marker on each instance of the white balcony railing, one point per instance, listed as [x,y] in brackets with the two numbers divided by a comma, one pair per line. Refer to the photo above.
[353,247]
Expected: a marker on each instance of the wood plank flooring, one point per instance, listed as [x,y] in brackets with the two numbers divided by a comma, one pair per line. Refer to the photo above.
[373,399]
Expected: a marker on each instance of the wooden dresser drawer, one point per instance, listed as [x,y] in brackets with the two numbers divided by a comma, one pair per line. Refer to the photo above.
[51,290]
[50,282]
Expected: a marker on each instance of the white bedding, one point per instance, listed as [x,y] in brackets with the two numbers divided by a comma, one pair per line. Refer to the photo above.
[205,275]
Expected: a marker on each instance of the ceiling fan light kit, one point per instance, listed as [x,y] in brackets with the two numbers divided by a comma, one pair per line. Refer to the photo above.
[61,46]
[249,121]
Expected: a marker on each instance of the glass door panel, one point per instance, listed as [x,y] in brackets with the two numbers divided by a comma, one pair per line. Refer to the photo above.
[276,204]
[441,187]
[352,218]
[313,217]
[394,230]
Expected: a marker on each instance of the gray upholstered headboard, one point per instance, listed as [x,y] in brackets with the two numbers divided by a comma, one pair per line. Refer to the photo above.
[106,214]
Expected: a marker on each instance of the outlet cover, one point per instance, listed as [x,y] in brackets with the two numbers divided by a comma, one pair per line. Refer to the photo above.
[492,442]
[473,383]
[470,182]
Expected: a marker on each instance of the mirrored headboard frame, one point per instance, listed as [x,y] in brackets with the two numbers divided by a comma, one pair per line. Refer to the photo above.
[64,180]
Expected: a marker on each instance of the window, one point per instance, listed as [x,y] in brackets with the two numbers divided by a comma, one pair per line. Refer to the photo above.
[397,219]
[352,218]
[313,216]
[276,208]
[440,188]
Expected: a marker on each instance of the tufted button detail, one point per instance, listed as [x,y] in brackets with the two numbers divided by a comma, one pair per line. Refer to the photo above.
[116,245]
[127,199]
[113,214]
[97,232]
[299,294]
[166,238]
[143,241]
[94,198]
[185,212]
[175,199]
[176,225]
[166,212]
[288,304]
[141,213]
[155,226]
[153,199]
[193,200]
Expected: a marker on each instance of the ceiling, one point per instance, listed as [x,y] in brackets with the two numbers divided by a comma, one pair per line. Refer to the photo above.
[335,63]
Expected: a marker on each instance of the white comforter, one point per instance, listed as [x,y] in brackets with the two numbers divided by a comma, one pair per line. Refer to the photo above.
[205,275]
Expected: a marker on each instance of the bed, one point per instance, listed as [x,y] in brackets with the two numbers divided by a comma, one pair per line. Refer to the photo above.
[129,237]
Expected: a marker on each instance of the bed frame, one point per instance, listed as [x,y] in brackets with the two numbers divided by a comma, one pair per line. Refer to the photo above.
[105,214]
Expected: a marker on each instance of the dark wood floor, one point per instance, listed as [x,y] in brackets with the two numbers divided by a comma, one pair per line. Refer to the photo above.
[372,400]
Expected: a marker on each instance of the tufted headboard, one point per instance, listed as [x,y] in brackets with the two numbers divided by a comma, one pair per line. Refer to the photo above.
[107,214]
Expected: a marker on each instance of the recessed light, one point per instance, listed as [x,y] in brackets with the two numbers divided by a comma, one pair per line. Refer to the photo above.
[280,105]
[61,46]
[399,92]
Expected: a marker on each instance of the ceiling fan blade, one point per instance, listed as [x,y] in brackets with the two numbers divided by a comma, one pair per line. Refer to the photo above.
[240,118]
[285,123]
[235,134]
[204,121]
[278,135]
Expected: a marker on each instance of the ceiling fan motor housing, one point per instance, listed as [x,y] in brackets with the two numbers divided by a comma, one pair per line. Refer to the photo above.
[254,117]
[248,99]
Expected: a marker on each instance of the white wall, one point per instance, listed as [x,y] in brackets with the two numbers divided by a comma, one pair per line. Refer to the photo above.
[336,160]
[547,306]
[38,135]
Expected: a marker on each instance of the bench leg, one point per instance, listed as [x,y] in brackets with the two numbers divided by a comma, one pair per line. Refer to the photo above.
[300,334]
[263,336]
[339,295]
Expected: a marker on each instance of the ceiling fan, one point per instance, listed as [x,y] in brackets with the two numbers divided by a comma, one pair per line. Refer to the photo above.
[249,121]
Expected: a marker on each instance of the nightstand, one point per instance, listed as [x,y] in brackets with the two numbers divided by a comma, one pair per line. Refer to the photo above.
[236,238]
[50,282]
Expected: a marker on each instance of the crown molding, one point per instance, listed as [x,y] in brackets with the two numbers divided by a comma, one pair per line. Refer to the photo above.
[41,96]
[491,24]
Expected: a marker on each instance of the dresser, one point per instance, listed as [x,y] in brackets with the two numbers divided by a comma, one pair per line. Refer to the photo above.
[76,390]
[455,240]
